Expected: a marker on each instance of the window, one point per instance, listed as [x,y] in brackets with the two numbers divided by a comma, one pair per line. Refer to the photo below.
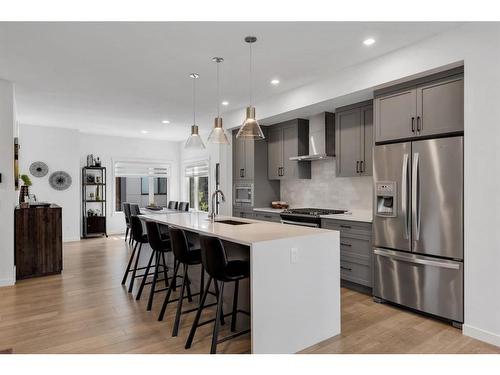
[197,185]
[141,183]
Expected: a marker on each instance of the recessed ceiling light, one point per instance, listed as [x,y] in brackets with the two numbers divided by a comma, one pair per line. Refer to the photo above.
[165,122]
[144,132]
[369,41]
[225,102]
[275,81]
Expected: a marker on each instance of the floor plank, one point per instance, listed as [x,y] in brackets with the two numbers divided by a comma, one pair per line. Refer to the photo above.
[86,310]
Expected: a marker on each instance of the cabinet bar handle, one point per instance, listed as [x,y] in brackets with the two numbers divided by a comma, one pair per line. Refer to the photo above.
[345,268]
[361,166]
[346,226]
[357,166]
[418,124]
[413,124]
[346,244]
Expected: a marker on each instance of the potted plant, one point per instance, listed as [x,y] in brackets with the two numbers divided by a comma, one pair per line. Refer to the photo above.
[25,190]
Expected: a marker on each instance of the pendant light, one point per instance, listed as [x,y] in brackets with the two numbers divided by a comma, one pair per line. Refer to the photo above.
[218,135]
[194,141]
[250,127]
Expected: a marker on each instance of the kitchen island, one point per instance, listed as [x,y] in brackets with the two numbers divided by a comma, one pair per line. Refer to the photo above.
[294,278]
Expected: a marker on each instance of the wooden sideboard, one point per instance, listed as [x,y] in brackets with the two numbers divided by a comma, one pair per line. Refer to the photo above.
[38,241]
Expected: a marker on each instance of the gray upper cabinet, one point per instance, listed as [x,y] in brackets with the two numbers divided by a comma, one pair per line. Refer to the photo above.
[354,140]
[395,115]
[243,156]
[275,152]
[440,107]
[428,107]
[286,140]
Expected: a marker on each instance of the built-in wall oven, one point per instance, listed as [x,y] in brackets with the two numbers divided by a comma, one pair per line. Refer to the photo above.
[243,194]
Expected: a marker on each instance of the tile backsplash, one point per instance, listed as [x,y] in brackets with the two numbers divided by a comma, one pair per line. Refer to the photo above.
[325,190]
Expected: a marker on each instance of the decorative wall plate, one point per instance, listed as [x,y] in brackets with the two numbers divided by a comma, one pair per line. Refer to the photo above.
[60,180]
[39,169]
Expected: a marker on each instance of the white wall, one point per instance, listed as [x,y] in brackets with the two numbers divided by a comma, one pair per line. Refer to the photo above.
[477,44]
[65,149]
[7,192]
[58,148]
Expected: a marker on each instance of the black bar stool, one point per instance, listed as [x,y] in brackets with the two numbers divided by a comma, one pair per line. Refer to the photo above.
[221,270]
[183,206]
[160,247]
[126,213]
[172,205]
[186,257]
[140,238]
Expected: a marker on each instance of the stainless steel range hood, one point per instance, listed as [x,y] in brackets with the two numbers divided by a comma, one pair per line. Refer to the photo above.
[321,126]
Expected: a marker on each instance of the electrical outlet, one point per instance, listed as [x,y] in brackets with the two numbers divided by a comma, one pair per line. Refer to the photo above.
[294,255]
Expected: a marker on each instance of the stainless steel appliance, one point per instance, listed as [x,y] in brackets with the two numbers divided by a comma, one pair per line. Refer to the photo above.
[243,194]
[418,225]
[308,217]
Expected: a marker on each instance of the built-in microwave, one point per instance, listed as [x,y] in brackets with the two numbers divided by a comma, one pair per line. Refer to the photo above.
[243,194]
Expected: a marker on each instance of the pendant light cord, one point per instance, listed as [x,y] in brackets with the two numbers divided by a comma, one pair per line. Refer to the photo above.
[251,76]
[218,91]
[194,100]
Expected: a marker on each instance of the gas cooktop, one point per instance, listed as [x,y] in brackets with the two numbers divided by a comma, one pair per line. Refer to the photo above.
[315,212]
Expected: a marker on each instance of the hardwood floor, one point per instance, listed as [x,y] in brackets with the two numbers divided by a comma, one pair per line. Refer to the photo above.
[86,310]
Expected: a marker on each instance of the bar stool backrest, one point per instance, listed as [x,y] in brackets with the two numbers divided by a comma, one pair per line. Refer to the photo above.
[213,256]
[126,212]
[183,206]
[134,209]
[180,244]
[136,228]
[172,205]
[154,236]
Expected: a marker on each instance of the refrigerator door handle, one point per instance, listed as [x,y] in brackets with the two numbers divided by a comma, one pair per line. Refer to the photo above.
[404,194]
[417,260]
[415,196]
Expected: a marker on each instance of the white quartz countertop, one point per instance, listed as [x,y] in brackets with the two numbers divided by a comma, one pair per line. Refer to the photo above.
[269,209]
[354,215]
[246,234]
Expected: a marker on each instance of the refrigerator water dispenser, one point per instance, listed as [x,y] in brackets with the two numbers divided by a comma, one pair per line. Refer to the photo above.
[386,198]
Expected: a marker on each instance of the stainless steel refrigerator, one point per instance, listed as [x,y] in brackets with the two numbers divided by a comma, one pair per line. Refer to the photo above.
[418,225]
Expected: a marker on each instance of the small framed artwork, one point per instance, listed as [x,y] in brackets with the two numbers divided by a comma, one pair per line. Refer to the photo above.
[16,163]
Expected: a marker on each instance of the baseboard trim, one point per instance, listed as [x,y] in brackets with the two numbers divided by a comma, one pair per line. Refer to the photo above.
[7,282]
[482,335]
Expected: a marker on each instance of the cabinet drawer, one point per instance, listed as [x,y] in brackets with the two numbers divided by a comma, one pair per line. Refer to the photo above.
[275,218]
[355,247]
[347,227]
[354,271]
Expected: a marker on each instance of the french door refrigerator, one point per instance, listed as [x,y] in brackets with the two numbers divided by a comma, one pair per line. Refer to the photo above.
[418,225]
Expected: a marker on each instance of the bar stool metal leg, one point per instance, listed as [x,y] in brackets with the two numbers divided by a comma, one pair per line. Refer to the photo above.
[124,280]
[169,291]
[165,270]
[222,321]
[235,306]
[131,285]
[215,334]
[153,284]
[192,332]
[144,278]
[175,330]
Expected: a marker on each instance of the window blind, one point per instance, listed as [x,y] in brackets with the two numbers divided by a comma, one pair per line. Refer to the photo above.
[197,170]
[141,169]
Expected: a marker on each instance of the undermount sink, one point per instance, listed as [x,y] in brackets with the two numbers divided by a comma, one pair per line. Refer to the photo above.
[231,222]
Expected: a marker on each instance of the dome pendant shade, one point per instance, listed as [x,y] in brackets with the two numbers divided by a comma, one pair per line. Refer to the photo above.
[250,127]
[194,141]
[218,135]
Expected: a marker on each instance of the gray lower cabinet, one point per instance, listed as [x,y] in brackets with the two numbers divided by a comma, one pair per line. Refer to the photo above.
[286,140]
[245,214]
[356,260]
[267,216]
[354,140]
[243,158]
[424,109]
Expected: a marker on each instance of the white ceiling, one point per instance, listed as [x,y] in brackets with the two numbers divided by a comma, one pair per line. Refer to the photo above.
[121,78]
